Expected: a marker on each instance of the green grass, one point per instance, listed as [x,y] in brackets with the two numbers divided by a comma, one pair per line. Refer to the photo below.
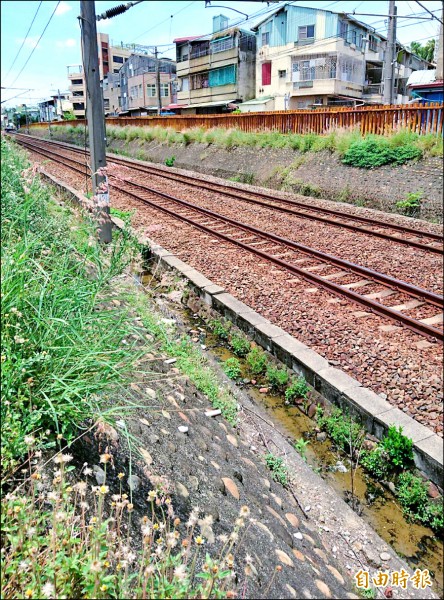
[61,347]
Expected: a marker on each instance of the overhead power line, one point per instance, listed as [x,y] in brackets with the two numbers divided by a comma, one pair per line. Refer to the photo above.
[24,40]
[33,50]
[427,10]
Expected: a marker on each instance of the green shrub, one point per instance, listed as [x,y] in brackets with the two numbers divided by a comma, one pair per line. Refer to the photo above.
[375,151]
[170,161]
[256,361]
[412,493]
[221,330]
[433,516]
[376,463]
[340,428]
[232,368]
[240,345]
[277,467]
[277,378]
[398,447]
[411,205]
[298,388]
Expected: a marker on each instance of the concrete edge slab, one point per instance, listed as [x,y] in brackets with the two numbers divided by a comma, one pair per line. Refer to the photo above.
[335,385]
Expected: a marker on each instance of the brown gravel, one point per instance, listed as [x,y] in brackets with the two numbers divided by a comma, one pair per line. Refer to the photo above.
[393,363]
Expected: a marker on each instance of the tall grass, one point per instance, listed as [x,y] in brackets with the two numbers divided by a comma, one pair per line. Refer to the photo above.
[337,140]
[61,347]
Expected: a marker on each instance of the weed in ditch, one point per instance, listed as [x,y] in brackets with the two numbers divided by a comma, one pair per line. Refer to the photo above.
[232,368]
[220,329]
[298,388]
[256,361]
[398,447]
[277,379]
[240,345]
[301,446]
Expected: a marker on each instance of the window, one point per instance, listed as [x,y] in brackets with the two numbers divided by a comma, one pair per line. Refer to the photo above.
[265,38]
[282,72]
[164,91]
[185,84]
[354,36]
[306,33]
[77,82]
[78,94]
[118,59]
[106,103]
[200,49]
[199,81]
[223,76]
[266,73]
[250,43]
[343,30]
[116,70]
[373,44]
[151,90]
[78,106]
[221,45]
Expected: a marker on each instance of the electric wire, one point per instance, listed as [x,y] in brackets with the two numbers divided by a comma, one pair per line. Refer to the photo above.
[33,50]
[24,39]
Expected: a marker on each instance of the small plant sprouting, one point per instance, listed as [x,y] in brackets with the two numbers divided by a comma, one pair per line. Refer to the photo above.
[298,388]
[232,368]
[301,446]
[277,467]
[398,447]
[170,161]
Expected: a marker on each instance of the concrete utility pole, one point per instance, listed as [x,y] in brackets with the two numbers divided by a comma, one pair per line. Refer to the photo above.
[390,56]
[159,97]
[440,52]
[96,118]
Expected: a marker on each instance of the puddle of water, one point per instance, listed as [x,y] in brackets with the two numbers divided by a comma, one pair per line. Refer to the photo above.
[416,543]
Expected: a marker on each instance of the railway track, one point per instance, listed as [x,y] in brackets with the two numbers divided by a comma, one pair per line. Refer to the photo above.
[291,256]
[409,236]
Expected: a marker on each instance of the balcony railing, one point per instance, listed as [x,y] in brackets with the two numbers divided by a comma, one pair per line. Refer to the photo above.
[372,89]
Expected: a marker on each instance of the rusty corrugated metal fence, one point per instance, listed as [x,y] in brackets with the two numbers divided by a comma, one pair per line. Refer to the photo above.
[370,119]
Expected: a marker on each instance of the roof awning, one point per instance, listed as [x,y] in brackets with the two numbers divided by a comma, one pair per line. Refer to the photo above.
[207,104]
[257,101]
[174,106]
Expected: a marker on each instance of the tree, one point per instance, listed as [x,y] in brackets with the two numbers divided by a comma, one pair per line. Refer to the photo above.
[427,52]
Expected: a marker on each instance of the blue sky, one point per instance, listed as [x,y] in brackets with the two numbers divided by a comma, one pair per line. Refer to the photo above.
[148,23]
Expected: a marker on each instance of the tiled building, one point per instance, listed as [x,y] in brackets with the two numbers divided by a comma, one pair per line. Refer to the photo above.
[111,58]
[216,70]
[310,57]
[138,83]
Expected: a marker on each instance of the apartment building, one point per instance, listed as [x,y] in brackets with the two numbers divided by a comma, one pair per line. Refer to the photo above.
[310,57]
[216,70]
[138,83]
[111,58]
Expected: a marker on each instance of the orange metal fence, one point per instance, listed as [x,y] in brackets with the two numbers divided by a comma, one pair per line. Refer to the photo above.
[370,119]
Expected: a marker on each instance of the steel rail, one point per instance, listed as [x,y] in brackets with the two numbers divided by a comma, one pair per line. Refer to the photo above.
[339,290]
[228,191]
[382,310]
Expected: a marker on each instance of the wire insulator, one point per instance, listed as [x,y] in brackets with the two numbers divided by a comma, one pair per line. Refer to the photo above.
[113,12]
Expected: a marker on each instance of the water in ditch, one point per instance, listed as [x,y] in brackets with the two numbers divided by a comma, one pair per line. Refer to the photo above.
[415,543]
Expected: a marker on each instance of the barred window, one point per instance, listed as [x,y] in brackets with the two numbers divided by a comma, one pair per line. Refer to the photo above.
[221,45]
